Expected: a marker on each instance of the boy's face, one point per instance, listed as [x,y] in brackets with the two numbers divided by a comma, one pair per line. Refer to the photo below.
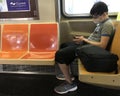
[99,18]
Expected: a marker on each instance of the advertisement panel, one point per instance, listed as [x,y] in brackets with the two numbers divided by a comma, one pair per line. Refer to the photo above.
[14,5]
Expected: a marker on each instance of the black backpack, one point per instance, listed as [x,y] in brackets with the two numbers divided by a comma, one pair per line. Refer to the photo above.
[97,59]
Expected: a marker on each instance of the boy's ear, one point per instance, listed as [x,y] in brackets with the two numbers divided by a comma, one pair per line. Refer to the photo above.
[105,13]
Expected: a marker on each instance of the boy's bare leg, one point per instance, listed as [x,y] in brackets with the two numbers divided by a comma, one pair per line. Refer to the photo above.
[66,71]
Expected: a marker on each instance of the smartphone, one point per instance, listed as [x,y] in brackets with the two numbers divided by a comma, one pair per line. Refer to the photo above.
[76,36]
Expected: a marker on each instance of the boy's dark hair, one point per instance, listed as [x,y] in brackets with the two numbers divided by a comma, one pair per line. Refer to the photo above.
[99,8]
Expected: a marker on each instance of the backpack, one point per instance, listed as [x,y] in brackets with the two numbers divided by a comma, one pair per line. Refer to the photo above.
[97,59]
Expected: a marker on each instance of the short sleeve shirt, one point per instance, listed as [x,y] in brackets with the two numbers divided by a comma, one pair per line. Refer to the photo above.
[104,28]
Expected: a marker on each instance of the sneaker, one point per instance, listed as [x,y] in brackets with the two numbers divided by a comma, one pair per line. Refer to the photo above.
[65,88]
[62,77]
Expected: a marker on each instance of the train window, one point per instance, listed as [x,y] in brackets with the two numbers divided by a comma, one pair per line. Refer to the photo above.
[82,7]
[17,9]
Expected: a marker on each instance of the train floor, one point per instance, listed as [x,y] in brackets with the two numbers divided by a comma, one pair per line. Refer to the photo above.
[43,85]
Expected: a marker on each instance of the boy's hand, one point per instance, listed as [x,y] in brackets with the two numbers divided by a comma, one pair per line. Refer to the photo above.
[78,38]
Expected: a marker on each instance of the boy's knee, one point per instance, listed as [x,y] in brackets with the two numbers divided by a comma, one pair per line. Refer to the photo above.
[59,57]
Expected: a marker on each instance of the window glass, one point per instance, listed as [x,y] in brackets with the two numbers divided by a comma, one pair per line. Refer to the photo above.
[82,7]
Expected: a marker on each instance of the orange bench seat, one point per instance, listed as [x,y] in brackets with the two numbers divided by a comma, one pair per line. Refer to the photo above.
[11,54]
[43,41]
[29,43]
[39,55]
[14,42]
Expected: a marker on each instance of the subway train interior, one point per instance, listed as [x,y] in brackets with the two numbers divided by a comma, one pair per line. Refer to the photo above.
[31,31]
